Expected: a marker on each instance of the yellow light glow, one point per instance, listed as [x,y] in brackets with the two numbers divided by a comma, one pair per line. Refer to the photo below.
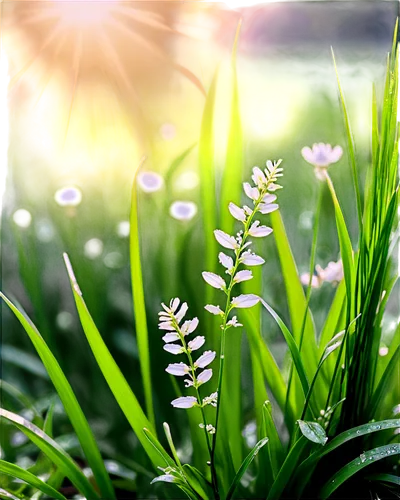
[83,14]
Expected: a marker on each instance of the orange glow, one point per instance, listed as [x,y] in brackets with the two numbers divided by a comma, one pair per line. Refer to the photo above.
[83,14]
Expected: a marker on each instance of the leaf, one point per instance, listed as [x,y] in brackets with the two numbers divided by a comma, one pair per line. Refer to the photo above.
[365,459]
[385,478]
[54,452]
[160,450]
[69,401]
[198,482]
[292,347]
[390,372]
[273,455]
[313,431]
[8,495]
[31,479]
[139,306]
[246,462]
[116,381]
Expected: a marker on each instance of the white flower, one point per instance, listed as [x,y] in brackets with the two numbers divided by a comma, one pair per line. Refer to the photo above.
[205,359]
[242,276]
[234,322]
[188,382]
[247,300]
[174,304]
[173,348]
[211,399]
[252,192]
[236,212]
[93,248]
[184,402]
[247,210]
[251,259]
[204,376]
[196,343]
[226,261]
[333,273]
[68,196]
[183,210]
[182,311]
[267,208]
[187,181]
[213,309]
[225,240]
[258,177]
[150,182]
[166,325]
[168,131]
[123,229]
[170,337]
[315,280]
[22,218]
[269,198]
[189,326]
[274,187]
[214,280]
[177,369]
[322,155]
[164,478]
[259,231]
[272,168]
[210,429]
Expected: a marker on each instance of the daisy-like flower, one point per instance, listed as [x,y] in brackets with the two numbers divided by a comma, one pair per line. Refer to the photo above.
[321,156]
[22,218]
[183,210]
[150,182]
[68,196]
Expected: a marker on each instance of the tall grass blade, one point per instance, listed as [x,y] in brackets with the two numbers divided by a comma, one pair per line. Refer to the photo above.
[68,399]
[111,372]
[139,306]
[54,452]
[31,479]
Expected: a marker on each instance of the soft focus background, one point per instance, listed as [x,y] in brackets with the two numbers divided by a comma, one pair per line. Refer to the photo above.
[94,86]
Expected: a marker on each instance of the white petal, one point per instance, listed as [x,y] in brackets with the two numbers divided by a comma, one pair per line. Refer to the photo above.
[170,337]
[226,240]
[196,343]
[258,177]
[269,198]
[182,311]
[236,212]
[251,259]
[165,478]
[247,300]
[173,348]
[214,280]
[251,192]
[213,309]
[184,402]
[189,326]
[242,276]
[167,325]
[336,154]
[225,260]
[204,376]
[173,305]
[259,231]
[178,369]
[205,359]
[267,208]
[274,187]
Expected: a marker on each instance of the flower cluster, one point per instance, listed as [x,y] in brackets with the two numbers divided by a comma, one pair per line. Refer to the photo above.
[333,273]
[263,199]
[321,156]
[170,319]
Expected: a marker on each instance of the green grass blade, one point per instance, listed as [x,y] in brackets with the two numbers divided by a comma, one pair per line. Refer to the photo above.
[7,495]
[169,462]
[365,459]
[31,479]
[139,306]
[275,448]
[294,351]
[385,478]
[54,452]
[334,321]
[389,378]
[69,401]
[246,462]
[111,372]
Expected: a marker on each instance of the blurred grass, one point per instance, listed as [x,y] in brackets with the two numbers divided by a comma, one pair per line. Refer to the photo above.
[286,103]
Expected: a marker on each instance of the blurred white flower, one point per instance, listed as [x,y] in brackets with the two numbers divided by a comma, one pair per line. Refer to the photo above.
[64,320]
[213,309]
[184,402]
[333,273]
[44,231]
[383,351]
[214,280]
[321,156]
[226,240]
[246,300]
[183,210]
[123,229]
[68,196]
[22,218]
[315,280]
[113,260]
[187,181]
[211,399]
[93,248]
[168,131]
[150,182]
